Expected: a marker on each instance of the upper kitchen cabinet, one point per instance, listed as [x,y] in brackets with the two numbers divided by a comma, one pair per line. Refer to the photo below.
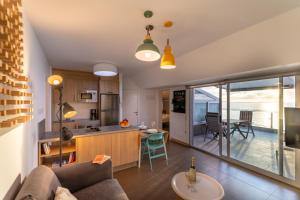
[74,82]
[88,84]
[69,91]
[109,85]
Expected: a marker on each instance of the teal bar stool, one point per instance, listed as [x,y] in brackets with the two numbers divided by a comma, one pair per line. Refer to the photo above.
[156,147]
[144,147]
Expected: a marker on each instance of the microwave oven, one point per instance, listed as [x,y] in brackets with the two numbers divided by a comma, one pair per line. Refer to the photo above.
[88,96]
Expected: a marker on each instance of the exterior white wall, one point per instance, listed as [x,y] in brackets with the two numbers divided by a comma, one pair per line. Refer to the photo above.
[18,148]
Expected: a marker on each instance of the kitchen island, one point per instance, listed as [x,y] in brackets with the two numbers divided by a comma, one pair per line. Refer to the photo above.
[122,144]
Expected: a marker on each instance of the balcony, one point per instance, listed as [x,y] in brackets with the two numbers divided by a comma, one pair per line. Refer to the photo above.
[260,150]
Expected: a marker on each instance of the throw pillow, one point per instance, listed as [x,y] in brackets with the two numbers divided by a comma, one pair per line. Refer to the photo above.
[63,194]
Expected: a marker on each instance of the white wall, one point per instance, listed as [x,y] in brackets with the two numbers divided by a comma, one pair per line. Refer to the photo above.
[273,42]
[148,108]
[148,100]
[179,125]
[18,148]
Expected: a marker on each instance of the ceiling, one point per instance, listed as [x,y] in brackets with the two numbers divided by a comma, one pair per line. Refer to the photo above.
[76,34]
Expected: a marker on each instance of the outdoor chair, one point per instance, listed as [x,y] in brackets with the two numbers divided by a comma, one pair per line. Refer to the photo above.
[213,125]
[247,116]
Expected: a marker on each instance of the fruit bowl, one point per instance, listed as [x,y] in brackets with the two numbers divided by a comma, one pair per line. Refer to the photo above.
[124,126]
[124,123]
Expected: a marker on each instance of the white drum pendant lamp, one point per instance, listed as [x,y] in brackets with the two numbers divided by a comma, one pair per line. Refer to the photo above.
[105,69]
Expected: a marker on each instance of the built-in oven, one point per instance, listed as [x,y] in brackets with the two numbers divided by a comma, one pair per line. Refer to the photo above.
[88,96]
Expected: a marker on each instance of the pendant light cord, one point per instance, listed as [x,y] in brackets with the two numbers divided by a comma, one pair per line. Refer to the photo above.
[148,30]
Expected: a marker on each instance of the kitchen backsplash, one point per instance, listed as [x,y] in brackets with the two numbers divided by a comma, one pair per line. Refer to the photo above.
[83,110]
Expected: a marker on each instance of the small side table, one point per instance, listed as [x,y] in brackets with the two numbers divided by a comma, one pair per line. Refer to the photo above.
[206,187]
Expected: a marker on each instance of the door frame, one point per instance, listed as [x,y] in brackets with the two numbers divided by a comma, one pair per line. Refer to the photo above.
[296,182]
[160,107]
[191,115]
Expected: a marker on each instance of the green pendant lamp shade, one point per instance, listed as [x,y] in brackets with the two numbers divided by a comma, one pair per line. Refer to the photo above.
[147,51]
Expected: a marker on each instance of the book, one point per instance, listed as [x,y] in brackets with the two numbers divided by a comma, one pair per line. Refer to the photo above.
[46,148]
[55,164]
[71,157]
[100,159]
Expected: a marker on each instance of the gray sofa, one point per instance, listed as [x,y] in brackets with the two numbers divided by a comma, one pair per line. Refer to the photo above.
[86,181]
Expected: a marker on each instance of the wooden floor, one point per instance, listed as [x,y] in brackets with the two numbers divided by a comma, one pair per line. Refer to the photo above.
[238,183]
[259,150]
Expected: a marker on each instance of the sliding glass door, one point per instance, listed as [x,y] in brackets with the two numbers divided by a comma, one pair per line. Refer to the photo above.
[204,100]
[291,99]
[224,107]
[254,109]
[250,115]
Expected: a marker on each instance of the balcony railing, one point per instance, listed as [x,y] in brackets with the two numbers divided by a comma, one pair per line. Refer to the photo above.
[260,118]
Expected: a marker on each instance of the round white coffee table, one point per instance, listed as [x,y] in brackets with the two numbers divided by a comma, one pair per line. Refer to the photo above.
[206,187]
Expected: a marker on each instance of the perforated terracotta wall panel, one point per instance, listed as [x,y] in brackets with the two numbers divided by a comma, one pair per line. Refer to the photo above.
[15,92]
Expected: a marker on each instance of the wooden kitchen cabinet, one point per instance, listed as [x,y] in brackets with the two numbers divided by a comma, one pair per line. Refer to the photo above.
[109,85]
[125,148]
[87,85]
[122,146]
[73,83]
[90,146]
[69,91]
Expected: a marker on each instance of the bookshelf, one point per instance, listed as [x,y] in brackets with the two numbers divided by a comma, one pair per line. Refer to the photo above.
[51,159]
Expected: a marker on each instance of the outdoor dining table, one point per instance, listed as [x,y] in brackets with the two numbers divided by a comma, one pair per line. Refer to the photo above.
[236,125]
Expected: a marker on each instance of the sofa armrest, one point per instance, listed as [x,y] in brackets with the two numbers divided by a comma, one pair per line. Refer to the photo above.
[80,175]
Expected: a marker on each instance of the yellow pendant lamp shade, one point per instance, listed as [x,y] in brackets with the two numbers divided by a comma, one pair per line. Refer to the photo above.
[168,60]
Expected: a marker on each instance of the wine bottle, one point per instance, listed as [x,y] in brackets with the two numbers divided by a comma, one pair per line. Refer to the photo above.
[192,171]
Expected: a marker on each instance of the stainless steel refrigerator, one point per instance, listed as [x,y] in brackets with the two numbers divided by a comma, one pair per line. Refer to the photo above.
[109,109]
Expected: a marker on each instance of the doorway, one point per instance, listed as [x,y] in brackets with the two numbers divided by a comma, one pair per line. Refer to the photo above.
[252,122]
[165,109]
[206,108]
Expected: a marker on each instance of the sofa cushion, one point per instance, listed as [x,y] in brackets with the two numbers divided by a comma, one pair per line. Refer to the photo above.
[78,176]
[109,189]
[41,184]
[63,194]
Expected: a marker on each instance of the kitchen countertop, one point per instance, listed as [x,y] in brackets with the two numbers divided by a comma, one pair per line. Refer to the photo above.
[77,120]
[54,136]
